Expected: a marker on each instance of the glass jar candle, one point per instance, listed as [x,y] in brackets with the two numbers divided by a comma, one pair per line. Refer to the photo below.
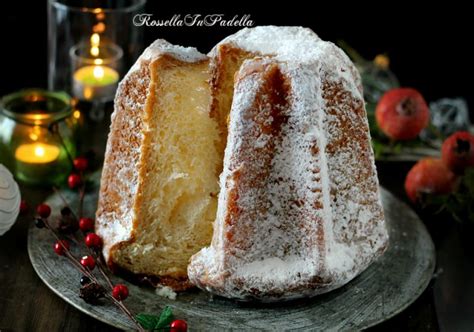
[37,129]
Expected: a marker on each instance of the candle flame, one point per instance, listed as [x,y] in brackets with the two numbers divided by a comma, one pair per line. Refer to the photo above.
[98,72]
[98,61]
[95,41]
[39,151]
[76,114]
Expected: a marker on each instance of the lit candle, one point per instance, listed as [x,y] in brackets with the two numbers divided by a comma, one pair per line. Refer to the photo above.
[38,128]
[37,153]
[38,163]
[96,81]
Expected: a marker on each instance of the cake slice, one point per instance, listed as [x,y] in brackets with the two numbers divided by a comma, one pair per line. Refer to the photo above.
[159,185]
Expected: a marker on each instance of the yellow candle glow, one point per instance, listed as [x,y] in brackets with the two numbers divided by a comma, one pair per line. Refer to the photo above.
[95,81]
[96,75]
[37,153]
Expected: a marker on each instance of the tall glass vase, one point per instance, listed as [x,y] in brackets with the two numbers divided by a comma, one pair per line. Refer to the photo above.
[91,44]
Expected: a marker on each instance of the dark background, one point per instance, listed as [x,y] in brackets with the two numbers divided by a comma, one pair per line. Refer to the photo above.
[429,45]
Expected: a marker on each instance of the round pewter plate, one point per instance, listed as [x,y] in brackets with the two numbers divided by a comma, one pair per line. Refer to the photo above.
[386,288]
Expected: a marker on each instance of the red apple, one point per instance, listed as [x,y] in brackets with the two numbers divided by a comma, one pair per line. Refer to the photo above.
[429,176]
[402,113]
[458,151]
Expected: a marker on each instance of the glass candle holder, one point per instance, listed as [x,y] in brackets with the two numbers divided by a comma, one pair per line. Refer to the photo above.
[90,43]
[37,136]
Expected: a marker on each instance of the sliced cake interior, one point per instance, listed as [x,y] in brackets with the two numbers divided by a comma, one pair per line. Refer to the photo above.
[178,181]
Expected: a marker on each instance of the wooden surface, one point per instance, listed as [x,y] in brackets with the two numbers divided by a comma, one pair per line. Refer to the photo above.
[387,287]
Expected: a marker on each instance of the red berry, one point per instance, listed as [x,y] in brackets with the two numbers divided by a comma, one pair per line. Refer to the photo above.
[429,176]
[402,113]
[23,206]
[178,325]
[59,249]
[74,181]
[86,224]
[81,164]
[43,210]
[93,241]
[88,262]
[120,292]
[458,151]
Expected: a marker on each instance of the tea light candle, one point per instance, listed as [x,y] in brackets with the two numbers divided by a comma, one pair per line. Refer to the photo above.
[95,69]
[37,160]
[37,153]
[95,82]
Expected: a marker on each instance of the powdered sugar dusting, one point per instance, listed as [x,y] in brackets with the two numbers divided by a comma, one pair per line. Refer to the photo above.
[165,291]
[161,46]
[280,270]
[285,43]
[316,221]
[296,45]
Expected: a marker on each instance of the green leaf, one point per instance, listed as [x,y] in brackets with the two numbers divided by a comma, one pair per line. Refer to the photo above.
[165,319]
[153,322]
[147,321]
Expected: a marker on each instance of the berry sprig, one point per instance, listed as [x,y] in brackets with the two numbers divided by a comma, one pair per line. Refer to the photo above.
[163,322]
[92,241]
[92,289]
